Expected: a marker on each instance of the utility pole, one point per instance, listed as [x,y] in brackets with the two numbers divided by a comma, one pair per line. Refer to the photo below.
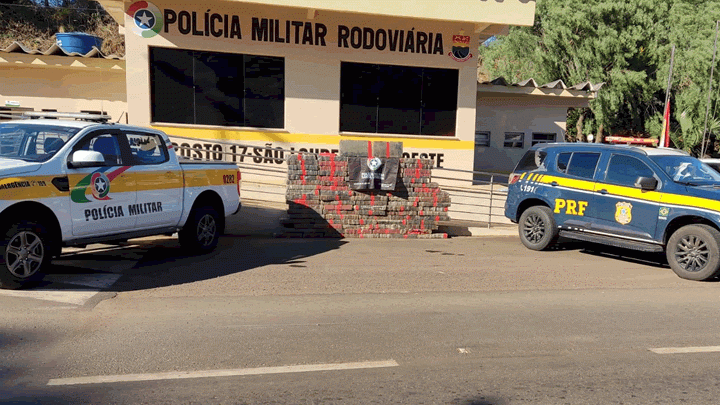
[707,108]
[665,138]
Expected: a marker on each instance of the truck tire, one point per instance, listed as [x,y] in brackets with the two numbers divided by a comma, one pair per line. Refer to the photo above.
[202,230]
[537,228]
[693,252]
[25,254]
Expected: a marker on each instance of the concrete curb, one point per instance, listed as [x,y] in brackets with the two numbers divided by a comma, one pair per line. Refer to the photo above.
[455,230]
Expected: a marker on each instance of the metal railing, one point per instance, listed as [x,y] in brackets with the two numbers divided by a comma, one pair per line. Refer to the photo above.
[486,190]
[476,196]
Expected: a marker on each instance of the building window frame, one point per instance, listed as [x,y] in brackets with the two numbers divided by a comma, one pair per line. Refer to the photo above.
[514,140]
[537,137]
[194,87]
[482,139]
[398,100]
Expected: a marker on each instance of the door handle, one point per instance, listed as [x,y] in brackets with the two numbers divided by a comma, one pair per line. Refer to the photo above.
[61,183]
[602,191]
[554,183]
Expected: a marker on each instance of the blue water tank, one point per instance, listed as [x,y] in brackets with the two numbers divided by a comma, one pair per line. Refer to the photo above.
[77,42]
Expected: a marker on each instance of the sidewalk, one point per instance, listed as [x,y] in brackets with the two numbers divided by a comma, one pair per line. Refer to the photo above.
[262,218]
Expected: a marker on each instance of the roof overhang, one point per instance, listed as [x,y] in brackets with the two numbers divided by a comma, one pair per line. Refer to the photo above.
[22,60]
[116,9]
[573,98]
[490,17]
[536,91]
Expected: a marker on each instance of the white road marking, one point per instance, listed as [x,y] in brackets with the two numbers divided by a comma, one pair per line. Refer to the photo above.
[175,375]
[95,282]
[679,350]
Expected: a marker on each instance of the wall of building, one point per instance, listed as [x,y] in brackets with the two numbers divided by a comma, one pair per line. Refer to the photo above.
[511,12]
[312,77]
[65,89]
[501,113]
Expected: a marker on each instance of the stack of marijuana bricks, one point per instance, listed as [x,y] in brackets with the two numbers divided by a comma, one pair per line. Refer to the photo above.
[322,204]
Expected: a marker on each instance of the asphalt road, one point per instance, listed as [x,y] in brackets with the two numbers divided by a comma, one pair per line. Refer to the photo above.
[262,320]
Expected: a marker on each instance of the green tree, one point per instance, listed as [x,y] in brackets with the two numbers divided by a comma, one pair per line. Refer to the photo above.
[625,44]
[690,26]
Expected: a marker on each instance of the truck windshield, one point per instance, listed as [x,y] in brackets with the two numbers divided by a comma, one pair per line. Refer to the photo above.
[687,169]
[32,142]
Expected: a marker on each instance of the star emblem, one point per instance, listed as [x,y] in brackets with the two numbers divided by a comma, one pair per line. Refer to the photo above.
[100,185]
[144,19]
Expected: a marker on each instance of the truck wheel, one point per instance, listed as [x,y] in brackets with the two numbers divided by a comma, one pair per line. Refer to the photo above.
[693,252]
[537,227]
[25,254]
[202,230]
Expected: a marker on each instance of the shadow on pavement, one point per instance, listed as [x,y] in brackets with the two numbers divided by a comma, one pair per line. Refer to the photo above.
[628,255]
[161,262]
[153,262]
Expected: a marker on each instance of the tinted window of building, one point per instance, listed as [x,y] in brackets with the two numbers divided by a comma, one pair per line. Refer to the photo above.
[482,139]
[359,95]
[212,88]
[171,85]
[398,99]
[264,91]
[514,140]
[218,79]
[542,138]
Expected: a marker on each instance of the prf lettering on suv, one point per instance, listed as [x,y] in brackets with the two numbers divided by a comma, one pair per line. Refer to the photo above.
[653,200]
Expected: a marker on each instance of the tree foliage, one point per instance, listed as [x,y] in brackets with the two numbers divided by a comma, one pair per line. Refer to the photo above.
[626,45]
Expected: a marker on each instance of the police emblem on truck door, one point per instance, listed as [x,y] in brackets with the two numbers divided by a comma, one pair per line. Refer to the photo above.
[623,212]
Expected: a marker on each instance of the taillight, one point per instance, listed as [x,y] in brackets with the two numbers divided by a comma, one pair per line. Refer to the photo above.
[514,177]
[238,182]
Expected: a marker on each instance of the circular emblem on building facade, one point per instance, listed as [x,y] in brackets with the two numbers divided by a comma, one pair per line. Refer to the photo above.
[147,19]
[100,186]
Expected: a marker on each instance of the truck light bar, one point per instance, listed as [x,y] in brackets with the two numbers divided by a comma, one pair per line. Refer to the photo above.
[77,116]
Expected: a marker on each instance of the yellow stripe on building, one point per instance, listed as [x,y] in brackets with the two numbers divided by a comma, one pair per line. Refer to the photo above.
[315,139]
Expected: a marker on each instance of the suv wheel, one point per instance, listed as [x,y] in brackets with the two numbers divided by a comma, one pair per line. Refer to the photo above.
[537,227]
[25,253]
[693,252]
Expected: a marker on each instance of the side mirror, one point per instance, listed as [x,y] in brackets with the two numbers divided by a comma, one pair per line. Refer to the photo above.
[646,183]
[86,158]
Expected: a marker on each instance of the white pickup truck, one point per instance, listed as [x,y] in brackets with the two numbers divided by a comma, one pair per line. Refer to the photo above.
[76,182]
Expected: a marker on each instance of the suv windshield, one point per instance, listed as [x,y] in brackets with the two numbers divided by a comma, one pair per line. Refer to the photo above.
[32,142]
[687,169]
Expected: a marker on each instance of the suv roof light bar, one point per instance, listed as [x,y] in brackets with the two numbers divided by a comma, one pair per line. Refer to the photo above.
[78,116]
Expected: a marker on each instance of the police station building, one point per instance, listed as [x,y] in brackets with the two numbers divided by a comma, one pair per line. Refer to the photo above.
[305,74]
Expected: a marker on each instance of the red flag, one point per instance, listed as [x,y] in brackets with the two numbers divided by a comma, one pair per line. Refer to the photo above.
[665,136]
